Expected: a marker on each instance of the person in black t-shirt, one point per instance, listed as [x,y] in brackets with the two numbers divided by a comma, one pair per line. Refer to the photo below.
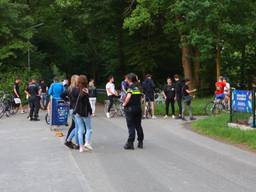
[169,95]
[178,93]
[187,99]
[16,93]
[34,100]
[44,94]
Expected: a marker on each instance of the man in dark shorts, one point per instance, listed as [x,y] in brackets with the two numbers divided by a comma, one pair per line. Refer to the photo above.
[44,94]
[148,87]
[17,95]
[34,100]
[178,93]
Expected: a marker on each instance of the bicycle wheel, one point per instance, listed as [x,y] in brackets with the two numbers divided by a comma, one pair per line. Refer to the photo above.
[218,108]
[209,108]
[2,108]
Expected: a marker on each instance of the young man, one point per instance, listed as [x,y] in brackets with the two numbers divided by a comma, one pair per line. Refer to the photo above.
[169,95]
[178,93]
[220,86]
[111,93]
[124,88]
[148,87]
[34,100]
[187,99]
[44,95]
[56,89]
[16,94]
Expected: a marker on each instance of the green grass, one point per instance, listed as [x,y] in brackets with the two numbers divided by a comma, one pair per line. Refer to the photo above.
[216,127]
[198,106]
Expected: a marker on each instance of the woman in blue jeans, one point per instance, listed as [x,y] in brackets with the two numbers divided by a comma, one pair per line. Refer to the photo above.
[82,113]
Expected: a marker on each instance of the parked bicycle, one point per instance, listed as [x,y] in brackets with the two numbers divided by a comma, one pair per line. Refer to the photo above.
[7,105]
[216,107]
[116,110]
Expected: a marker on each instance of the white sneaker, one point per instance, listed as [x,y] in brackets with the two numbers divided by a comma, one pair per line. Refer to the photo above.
[166,116]
[81,149]
[108,115]
[88,146]
[153,117]
[173,116]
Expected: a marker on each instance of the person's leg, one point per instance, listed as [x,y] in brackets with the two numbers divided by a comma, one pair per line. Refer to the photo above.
[80,131]
[152,103]
[93,104]
[167,104]
[179,102]
[183,109]
[31,106]
[131,128]
[190,110]
[139,128]
[173,106]
[88,125]
[111,102]
[37,107]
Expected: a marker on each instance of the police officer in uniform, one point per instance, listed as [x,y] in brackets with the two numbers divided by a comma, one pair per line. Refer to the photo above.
[34,100]
[133,113]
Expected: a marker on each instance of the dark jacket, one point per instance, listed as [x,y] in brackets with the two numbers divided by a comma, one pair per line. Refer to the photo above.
[169,91]
[92,91]
[83,106]
[178,89]
[148,87]
[71,96]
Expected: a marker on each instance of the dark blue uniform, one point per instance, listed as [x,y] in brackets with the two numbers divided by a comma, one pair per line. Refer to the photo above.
[133,114]
[34,100]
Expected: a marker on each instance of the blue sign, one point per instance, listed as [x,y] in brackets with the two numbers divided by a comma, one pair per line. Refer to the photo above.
[242,101]
[59,111]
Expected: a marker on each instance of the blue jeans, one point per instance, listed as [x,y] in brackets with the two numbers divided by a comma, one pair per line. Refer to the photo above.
[73,133]
[83,123]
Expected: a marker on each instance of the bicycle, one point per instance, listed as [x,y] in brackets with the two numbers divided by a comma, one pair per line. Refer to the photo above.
[116,110]
[7,105]
[216,107]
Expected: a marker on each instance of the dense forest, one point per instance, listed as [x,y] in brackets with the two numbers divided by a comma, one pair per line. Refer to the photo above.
[199,39]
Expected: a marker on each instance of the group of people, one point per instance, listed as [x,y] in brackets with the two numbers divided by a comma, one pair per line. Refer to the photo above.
[175,90]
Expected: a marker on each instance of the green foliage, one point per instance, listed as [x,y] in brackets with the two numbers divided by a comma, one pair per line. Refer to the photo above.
[216,127]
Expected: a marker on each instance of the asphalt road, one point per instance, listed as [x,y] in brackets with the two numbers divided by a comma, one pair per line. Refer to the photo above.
[175,159]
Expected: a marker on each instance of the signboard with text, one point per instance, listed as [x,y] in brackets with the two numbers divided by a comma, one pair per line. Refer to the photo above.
[242,101]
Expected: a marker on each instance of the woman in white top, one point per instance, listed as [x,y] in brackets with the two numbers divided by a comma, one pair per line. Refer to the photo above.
[111,92]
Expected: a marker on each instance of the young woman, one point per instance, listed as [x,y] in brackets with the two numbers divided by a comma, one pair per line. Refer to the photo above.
[169,95]
[71,94]
[92,96]
[83,112]
[133,113]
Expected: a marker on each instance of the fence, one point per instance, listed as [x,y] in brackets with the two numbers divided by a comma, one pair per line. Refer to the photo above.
[243,106]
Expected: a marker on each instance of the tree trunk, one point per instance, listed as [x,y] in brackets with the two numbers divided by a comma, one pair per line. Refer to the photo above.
[218,62]
[186,62]
[196,74]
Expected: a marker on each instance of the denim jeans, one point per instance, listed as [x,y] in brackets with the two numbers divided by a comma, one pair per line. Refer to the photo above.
[83,123]
[73,133]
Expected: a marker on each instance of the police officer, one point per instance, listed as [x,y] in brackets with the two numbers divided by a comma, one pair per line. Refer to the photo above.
[34,100]
[133,113]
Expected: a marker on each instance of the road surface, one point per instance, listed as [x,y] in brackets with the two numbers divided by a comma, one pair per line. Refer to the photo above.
[175,159]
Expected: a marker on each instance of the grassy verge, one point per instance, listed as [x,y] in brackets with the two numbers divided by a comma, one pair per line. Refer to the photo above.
[198,106]
[216,127]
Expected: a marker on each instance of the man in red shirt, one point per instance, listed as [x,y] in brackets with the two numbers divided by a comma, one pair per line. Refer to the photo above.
[220,85]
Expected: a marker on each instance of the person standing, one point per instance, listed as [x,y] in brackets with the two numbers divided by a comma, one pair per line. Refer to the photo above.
[16,94]
[83,112]
[124,88]
[169,95]
[133,113]
[56,89]
[227,91]
[178,93]
[111,93]
[148,87]
[34,100]
[71,94]
[44,95]
[187,100]
[92,95]
[220,87]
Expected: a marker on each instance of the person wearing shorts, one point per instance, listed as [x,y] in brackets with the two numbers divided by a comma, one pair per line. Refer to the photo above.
[148,87]
[220,86]
[16,94]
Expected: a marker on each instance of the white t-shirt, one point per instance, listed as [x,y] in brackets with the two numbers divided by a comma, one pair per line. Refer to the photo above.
[227,88]
[111,87]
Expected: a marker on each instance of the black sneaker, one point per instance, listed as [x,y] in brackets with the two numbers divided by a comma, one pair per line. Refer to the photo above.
[36,119]
[183,119]
[140,145]
[69,144]
[76,147]
[129,146]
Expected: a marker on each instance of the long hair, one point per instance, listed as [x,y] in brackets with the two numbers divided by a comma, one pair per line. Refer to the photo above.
[73,82]
[82,82]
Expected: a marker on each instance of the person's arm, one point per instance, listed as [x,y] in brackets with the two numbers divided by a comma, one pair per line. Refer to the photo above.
[164,93]
[127,99]
[15,91]
[50,90]
[191,91]
[27,92]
